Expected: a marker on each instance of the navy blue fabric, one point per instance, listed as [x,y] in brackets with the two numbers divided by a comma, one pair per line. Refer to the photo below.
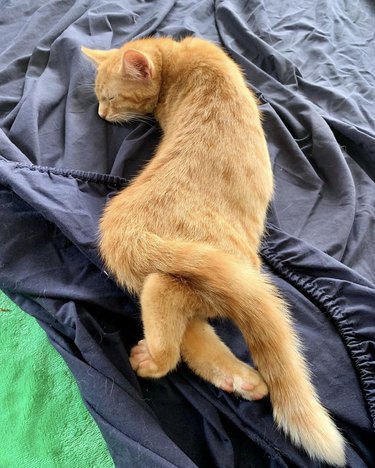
[311,65]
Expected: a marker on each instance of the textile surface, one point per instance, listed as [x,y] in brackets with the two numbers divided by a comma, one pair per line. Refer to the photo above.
[311,66]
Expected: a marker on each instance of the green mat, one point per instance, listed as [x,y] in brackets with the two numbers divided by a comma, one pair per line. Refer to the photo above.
[43,421]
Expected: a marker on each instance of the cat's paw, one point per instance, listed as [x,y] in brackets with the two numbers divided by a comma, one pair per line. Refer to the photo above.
[144,364]
[245,382]
[254,389]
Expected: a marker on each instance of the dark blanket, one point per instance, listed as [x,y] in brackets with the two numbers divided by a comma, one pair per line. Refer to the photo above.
[312,65]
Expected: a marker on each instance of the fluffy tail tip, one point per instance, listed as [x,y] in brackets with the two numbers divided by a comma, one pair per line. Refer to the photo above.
[320,438]
[326,445]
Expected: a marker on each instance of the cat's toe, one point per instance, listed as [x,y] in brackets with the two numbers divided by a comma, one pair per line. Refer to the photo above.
[139,356]
[227,384]
[250,385]
[144,364]
[242,379]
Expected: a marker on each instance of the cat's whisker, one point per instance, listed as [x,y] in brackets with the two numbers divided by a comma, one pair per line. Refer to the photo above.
[130,117]
[87,88]
[86,84]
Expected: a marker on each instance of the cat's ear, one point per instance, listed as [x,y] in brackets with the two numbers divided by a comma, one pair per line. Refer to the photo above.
[96,56]
[137,65]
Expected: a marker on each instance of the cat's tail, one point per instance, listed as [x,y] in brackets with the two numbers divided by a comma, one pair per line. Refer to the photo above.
[242,293]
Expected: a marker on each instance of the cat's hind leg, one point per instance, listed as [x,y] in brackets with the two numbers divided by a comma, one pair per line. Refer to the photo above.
[167,304]
[210,358]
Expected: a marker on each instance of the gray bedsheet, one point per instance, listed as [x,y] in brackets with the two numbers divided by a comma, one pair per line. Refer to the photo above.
[312,65]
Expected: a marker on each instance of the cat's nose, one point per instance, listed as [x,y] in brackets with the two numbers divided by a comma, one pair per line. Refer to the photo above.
[102,112]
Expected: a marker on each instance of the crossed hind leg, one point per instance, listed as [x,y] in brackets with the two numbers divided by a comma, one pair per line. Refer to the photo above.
[210,358]
[168,309]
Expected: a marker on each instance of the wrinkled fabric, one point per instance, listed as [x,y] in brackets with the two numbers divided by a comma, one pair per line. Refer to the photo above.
[311,66]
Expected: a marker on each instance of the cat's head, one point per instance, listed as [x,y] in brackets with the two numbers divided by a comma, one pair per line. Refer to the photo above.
[127,82]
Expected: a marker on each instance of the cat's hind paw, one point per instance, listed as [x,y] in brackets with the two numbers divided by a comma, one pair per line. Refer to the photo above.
[244,381]
[145,365]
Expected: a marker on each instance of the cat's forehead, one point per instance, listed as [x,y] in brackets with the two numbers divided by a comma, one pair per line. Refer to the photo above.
[107,81]
[111,81]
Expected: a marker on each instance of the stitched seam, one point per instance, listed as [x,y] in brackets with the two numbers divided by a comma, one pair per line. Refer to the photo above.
[84,176]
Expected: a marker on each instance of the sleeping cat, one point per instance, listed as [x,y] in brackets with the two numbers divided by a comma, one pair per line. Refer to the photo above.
[185,234]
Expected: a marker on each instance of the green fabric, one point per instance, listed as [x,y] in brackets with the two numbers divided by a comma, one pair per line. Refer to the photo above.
[43,421]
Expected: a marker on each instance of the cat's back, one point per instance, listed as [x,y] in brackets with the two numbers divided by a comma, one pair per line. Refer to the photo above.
[210,58]
[210,179]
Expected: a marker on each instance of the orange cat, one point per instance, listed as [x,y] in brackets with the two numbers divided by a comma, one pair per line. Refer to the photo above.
[185,234]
